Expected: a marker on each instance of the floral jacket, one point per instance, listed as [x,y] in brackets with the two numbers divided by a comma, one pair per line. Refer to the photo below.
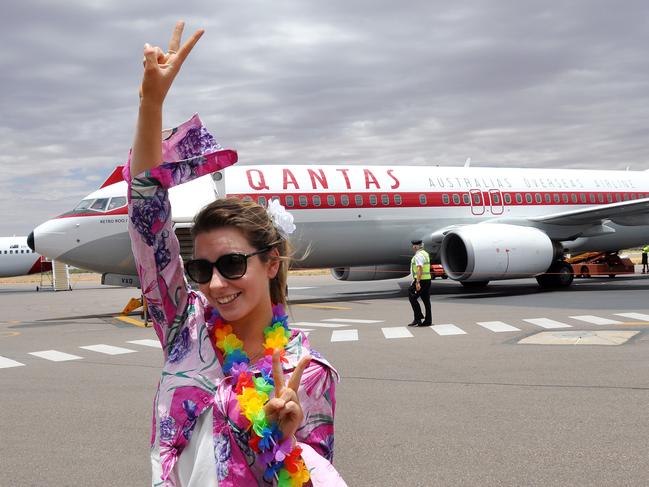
[192,379]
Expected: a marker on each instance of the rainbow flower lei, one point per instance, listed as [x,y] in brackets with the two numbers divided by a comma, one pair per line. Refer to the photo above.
[283,462]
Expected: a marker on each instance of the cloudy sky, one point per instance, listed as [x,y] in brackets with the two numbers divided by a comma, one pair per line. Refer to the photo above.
[515,83]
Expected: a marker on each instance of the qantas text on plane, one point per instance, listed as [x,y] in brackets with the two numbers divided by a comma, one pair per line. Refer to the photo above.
[482,223]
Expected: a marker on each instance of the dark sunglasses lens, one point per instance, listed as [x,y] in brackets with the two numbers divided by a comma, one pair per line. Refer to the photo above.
[232,266]
[199,271]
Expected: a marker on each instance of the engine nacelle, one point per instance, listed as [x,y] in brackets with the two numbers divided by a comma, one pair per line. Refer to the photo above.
[370,273]
[492,251]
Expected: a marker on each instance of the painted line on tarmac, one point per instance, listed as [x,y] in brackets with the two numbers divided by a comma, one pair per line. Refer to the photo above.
[146,343]
[634,316]
[7,362]
[349,320]
[344,336]
[132,321]
[108,349]
[55,356]
[7,334]
[635,323]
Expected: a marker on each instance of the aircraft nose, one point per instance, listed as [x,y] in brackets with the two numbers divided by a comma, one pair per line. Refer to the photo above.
[30,241]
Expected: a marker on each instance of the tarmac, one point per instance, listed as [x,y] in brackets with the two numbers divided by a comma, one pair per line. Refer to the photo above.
[462,403]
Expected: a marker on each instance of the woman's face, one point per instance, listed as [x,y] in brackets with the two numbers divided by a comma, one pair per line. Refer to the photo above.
[246,298]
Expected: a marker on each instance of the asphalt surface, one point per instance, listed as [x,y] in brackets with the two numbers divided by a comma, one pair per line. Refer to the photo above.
[475,408]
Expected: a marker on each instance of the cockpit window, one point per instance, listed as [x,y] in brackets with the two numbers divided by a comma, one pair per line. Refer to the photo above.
[117,202]
[84,205]
[99,204]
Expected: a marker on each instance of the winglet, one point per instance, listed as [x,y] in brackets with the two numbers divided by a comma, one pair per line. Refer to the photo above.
[115,177]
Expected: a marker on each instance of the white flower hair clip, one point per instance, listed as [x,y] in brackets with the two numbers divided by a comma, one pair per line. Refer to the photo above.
[282,219]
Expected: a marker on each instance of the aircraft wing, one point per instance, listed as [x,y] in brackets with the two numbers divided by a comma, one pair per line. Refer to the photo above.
[627,213]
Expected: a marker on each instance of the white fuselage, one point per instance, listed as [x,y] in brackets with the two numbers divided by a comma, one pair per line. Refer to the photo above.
[358,215]
[16,258]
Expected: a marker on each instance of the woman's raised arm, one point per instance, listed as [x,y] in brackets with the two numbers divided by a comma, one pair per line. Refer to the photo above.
[160,70]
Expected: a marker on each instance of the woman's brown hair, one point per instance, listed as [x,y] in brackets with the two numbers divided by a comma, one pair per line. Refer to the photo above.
[257,226]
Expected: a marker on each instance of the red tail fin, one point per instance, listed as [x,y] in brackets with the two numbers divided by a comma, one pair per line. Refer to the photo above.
[115,177]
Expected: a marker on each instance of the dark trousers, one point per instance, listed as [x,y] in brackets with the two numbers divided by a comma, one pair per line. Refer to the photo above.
[424,294]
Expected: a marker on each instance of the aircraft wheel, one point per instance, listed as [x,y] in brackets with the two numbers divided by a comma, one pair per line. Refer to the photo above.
[474,284]
[611,275]
[560,274]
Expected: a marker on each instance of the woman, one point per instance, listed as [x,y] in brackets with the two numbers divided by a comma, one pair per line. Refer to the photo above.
[223,413]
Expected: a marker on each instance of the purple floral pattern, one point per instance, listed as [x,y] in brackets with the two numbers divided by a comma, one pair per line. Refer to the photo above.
[192,378]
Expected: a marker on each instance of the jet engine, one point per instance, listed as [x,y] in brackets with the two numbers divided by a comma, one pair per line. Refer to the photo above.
[492,251]
[370,273]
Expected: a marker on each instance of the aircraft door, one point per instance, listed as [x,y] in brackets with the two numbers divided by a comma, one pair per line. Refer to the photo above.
[477,202]
[496,202]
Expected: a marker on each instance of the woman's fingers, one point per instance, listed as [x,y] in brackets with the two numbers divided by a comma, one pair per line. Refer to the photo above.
[278,374]
[150,57]
[177,34]
[290,412]
[294,381]
[186,48]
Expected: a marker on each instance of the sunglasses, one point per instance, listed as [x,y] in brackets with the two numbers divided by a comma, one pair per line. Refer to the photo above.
[230,266]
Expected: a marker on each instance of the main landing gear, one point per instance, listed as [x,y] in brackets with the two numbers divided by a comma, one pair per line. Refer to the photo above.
[559,275]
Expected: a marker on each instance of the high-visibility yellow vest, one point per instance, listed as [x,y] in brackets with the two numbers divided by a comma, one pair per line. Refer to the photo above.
[645,249]
[425,271]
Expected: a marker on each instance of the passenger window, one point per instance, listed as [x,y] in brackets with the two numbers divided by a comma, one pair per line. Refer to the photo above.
[600,197]
[247,198]
[625,196]
[574,198]
[358,199]
[609,198]
[445,199]
[385,200]
[617,197]
[316,200]
[519,198]
[99,204]
[592,197]
[465,199]
[538,198]
[564,196]
[303,201]
[290,201]
[456,199]
[556,198]
[582,197]
[117,202]
[397,199]
[495,198]
[477,198]
[344,200]
[373,199]
[422,199]
[261,200]
[548,198]
[528,198]
[331,200]
[508,198]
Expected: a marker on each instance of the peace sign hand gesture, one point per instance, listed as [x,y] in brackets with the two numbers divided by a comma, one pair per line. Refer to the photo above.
[285,407]
[161,68]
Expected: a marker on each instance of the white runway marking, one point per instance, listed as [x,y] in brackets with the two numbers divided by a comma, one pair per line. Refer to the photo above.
[547,323]
[297,288]
[396,332]
[497,326]
[55,356]
[349,320]
[307,324]
[444,330]
[596,320]
[108,349]
[5,363]
[634,316]
[147,343]
[344,335]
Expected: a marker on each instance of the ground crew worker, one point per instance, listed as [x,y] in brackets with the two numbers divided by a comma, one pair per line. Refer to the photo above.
[645,265]
[420,287]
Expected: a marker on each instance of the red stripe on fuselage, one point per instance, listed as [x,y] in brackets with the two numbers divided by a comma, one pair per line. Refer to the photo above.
[304,201]
[117,211]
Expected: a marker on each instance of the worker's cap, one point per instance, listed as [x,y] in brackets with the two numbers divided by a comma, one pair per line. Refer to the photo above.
[416,242]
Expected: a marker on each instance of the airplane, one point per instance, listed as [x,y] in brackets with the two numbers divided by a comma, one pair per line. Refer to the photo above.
[481,223]
[17,259]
